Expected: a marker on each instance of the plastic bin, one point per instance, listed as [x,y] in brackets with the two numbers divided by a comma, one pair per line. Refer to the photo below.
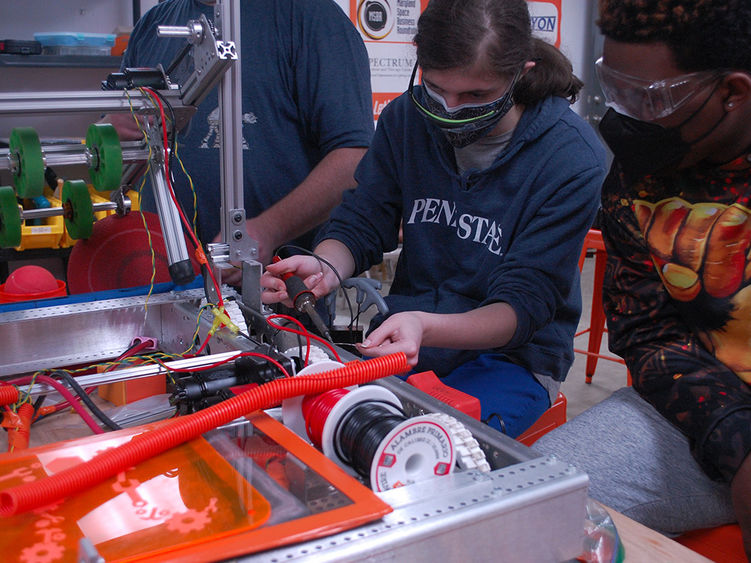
[46,235]
[75,43]
[75,39]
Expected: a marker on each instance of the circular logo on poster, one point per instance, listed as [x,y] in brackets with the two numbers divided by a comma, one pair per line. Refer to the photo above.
[374,18]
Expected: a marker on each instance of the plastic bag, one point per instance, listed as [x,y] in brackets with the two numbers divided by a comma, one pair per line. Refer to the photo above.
[601,541]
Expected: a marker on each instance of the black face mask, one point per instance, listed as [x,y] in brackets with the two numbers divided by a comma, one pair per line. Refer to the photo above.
[644,148]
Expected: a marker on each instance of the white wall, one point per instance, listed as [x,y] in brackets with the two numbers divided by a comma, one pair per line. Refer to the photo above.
[20,19]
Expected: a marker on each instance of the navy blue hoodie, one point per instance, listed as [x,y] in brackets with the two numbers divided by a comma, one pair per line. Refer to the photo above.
[510,233]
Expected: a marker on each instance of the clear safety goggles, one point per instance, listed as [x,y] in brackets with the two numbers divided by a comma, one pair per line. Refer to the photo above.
[645,100]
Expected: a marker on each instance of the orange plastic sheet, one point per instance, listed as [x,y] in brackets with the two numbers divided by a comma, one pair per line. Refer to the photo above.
[190,503]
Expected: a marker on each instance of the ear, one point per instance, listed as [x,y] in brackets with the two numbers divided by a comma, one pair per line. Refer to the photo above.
[737,90]
[529,65]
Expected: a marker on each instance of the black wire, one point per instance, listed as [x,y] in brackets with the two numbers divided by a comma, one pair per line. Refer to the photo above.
[499,418]
[78,390]
[360,433]
[172,140]
[178,59]
[172,134]
[37,405]
[336,273]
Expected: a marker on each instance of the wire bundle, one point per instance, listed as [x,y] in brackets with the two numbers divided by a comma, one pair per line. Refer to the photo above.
[316,409]
[361,433]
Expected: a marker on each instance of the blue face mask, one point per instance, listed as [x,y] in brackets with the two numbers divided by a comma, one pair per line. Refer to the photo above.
[465,124]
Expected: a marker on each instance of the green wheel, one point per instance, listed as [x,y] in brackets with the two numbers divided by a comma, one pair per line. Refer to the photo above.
[106,169]
[78,211]
[26,150]
[10,218]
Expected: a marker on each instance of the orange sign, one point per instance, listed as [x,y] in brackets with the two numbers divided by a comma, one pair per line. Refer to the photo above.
[388,26]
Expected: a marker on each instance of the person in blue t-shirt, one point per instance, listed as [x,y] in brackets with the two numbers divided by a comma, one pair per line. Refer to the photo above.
[307,115]
[496,182]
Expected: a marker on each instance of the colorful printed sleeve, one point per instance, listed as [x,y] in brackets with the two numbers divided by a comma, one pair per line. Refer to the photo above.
[665,343]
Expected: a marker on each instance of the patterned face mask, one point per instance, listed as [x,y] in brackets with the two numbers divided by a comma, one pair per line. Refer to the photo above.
[464,124]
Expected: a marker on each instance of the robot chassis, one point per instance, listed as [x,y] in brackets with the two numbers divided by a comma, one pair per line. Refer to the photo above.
[525,508]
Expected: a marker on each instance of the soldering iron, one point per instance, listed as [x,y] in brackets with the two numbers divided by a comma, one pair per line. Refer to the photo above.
[303,300]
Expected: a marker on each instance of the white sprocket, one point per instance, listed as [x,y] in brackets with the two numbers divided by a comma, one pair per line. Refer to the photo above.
[469,455]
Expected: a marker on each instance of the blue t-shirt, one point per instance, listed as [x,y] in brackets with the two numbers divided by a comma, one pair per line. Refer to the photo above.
[509,233]
[305,92]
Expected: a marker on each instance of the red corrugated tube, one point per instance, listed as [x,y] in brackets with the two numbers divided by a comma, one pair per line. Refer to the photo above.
[145,446]
[18,437]
[8,395]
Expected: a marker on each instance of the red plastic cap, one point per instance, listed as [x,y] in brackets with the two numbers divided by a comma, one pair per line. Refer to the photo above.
[30,279]
[31,282]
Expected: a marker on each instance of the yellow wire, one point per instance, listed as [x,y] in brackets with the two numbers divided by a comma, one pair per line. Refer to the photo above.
[192,190]
[140,191]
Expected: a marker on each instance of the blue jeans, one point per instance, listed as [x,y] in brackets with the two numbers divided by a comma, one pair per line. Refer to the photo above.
[511,399]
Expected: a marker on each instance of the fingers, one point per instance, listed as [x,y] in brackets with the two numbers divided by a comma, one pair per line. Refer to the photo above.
[389,338]
[367,348]
[274,290]
[302,266]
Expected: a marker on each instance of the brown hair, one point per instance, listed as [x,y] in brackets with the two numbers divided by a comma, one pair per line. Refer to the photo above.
[497,33]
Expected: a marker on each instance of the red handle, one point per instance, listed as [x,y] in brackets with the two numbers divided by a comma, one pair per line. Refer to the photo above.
[286,275]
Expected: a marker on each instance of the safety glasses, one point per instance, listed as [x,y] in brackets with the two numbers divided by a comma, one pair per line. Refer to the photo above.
[645,100]
[495,108]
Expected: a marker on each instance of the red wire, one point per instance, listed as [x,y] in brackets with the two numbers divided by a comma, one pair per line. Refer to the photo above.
[205,342]
[298,323]
[132,351]
[172,192]
[316,409]
[302,333]
[60,388]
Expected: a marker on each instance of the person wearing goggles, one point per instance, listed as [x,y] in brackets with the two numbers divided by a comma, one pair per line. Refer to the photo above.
[648,100]
[495,181]
[676,220]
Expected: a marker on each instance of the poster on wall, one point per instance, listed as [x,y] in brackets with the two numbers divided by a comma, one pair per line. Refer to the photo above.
[388,26]
[546,20]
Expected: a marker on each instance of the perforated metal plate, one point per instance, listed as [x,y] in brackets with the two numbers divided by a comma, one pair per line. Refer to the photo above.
[530,511]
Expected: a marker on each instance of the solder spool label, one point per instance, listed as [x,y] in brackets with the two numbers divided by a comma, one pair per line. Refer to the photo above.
[417,449]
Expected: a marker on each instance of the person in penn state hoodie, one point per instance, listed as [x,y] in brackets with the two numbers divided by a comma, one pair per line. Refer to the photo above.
[495,181]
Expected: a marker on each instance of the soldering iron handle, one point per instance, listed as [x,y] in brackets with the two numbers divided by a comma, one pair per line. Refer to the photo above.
[297,290]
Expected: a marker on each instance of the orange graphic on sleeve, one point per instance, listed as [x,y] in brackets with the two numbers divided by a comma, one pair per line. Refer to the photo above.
[704,247]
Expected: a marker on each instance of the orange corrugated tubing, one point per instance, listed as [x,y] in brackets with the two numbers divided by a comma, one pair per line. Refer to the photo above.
[8,395]
[18,437]
[36,494]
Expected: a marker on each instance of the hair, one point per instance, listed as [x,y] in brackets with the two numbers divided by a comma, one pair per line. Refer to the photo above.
[497,34]
[701,34]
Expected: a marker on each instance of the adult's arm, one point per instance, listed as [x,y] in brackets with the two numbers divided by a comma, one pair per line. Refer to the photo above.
[308,205]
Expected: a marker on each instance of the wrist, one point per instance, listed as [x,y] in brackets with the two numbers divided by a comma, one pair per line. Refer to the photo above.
[262,229]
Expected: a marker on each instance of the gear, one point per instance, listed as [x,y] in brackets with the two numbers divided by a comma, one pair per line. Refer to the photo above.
[469,455]
[42,552]
[189,521]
